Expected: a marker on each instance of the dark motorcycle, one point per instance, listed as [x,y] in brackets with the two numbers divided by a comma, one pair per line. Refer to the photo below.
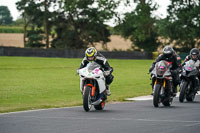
[162,84]
[189,81]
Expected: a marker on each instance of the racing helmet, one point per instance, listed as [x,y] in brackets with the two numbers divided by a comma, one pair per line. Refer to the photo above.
[194,53]
[168,51]
[91,53]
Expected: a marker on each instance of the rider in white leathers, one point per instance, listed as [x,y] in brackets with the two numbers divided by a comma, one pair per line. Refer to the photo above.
[91,54]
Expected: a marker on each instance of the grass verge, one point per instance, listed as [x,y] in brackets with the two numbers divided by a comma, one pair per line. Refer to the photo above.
[34,83]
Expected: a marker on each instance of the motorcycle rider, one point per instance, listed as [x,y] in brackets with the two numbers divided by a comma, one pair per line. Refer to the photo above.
[91,54]
[195,56]
[170,55]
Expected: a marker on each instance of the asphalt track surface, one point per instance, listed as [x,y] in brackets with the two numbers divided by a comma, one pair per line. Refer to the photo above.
[128,117]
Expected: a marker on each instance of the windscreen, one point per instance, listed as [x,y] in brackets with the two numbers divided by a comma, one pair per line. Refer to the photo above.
[92,66]
[190,65]
[161,67]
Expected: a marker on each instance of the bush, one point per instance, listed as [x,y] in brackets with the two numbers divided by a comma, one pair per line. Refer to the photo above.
[155,55]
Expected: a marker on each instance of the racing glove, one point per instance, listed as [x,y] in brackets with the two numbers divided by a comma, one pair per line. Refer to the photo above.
[77,71]
[108,72]
[151,68]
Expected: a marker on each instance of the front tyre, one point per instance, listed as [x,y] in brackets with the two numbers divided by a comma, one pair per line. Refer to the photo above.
[156,95]
[87,99]
[183,87]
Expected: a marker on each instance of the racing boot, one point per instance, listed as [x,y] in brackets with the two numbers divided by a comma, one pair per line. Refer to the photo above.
[197,84]
[152,85]
[174,90]
[197,88]
[108,90]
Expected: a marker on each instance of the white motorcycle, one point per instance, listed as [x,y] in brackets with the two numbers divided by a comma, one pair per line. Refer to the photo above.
[93,86]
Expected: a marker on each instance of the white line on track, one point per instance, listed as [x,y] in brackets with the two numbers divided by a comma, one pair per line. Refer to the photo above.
[189,123]
[38,110]
[141,98]
[74,118]
[176,121]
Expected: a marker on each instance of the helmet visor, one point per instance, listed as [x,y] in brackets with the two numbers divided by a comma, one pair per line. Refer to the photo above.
[91,58]
[168,55]
[194,57]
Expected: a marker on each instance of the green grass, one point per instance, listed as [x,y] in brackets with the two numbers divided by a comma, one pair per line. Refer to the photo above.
[33,83]
[11,29]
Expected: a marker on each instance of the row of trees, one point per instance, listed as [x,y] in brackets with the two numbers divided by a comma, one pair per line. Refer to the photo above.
[140,26]
[71,24]
[5,16]
[181,27]
[76,24]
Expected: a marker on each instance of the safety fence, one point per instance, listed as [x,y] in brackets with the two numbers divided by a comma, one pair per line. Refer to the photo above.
[34,52]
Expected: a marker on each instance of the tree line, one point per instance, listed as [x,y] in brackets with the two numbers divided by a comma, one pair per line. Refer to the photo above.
[77,24]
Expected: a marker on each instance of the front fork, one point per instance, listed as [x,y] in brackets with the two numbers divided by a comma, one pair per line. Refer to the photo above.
[165,83]
[88,83]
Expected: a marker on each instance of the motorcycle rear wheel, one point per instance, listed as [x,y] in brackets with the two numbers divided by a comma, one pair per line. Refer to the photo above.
[167,102]
[156,95]
[190,97]
[182,91]
[87,99]
[100,106]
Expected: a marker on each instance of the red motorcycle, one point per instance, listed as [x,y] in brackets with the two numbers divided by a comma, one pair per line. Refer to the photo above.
[162,84]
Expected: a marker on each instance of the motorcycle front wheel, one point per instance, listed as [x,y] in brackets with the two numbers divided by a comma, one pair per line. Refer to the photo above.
[156,95]
[183,87]
[87,99]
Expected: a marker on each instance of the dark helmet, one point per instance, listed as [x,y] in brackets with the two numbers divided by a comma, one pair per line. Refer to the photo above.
[91,53]
[168,51]
[194,53]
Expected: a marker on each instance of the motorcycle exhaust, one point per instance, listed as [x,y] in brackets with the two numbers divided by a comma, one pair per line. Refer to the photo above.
[97,102]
